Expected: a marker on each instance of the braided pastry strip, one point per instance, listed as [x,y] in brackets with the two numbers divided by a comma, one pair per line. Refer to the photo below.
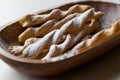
[45,28]
[58,49]
[34,32]
[97,39]
[73,27]
[17,50]
[34,19]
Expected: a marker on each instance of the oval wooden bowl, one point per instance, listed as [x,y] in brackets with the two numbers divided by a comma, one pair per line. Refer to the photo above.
[10,32]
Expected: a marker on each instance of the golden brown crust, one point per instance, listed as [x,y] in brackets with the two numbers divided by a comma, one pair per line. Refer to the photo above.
[34,19]
[44,28]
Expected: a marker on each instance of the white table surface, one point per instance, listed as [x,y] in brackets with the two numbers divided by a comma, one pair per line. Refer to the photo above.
[106,67]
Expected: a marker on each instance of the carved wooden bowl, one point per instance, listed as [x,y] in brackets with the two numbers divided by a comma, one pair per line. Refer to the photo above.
[10,32]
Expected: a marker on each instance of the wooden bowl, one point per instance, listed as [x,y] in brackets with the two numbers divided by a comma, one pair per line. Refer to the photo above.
[10,32]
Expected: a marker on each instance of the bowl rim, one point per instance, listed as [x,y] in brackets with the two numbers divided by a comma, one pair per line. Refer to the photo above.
[8,55]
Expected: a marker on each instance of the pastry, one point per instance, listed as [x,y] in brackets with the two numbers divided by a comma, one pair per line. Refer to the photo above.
[97,39]
[34,19]
[45,28]
[56,50]
[56,42]
[17,50]
[62,34]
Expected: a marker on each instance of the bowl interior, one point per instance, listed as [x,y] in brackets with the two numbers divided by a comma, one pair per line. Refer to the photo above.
[9,35]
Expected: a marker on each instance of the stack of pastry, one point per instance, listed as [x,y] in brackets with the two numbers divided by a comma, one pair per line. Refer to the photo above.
[62,34]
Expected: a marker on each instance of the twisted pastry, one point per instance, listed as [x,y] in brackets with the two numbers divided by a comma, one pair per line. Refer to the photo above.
[45,28]
[17,50]
[40,31]
[34,19]
[97,39]
[73,27]
[58,49]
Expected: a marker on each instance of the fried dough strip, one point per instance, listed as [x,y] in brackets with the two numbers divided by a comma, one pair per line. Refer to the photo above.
[72,27]
[34,19]
[97,39]
[45,28]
